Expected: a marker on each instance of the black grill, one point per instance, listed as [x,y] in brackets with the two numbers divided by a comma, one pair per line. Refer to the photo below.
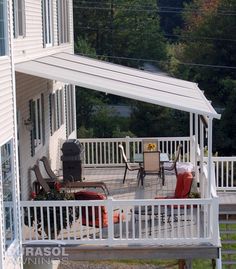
[72,160]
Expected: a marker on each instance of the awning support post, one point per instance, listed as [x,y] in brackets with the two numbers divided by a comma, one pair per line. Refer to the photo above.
[209,156]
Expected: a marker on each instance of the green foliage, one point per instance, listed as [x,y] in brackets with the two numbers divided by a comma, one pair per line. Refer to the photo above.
[82,46]
[209,40]
[121,28]
[152,120]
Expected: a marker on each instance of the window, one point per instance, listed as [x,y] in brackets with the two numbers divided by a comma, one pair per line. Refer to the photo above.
[6,175]
[47,22]
[37,120]
[19,17]
[56,110]
[63,21]
[2,27]
[70,109]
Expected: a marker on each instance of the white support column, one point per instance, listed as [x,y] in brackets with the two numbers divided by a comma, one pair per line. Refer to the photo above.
[191,136]
[209,172]
[196,141]
[201,156]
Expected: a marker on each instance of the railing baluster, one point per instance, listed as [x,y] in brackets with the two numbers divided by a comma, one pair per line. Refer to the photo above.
[48,223]
[74,220]
[184,220]
[61,221]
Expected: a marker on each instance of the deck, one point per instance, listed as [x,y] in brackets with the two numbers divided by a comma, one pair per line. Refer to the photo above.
[113,177]
[144,234]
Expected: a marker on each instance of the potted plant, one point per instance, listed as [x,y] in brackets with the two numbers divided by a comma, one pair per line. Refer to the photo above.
[37,217]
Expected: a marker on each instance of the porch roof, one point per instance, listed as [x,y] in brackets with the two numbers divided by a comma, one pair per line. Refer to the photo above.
[122,81]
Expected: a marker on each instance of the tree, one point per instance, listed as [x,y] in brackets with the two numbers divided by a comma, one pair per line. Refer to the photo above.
[124,28]
[152,120]
[209,38]
[210,34]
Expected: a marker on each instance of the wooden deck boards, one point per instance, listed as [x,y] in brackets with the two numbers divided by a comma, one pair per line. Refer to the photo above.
[113,177]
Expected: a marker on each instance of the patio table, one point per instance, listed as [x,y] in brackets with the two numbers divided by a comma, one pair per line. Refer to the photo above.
[138,158]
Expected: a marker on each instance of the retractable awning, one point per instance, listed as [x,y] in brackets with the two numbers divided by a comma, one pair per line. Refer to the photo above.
[122,81]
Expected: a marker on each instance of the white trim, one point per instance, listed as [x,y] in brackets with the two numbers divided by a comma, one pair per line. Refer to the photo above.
[5,21]
[47,11]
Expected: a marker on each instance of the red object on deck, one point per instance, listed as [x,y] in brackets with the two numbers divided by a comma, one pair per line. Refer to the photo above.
[94,221]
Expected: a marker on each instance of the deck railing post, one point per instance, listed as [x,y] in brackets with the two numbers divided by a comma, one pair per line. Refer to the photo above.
[110,221]
[127,147]
[214,220]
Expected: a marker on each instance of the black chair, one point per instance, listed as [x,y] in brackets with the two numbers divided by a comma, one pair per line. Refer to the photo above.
[127,164]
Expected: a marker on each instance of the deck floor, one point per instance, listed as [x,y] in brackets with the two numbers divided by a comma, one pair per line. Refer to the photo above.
[113,177]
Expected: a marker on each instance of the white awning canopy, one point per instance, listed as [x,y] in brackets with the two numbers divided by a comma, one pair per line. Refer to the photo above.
[122,81]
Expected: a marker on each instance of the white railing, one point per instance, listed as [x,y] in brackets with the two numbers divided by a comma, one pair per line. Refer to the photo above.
[225,173]
[143,222]
[105,151]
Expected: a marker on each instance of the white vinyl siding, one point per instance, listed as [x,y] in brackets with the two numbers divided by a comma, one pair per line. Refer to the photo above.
[32,45]
[6,101]
[47,22]
[63,21]
[19,17]
[2,27]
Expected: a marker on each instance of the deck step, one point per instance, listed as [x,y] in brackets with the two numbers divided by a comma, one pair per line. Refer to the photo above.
[227,221]
[228,241]
[228,262]
[227,231]
[227,211]
[228,251]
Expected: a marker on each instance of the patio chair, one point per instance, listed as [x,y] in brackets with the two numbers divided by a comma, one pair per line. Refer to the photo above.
[47,185]
[128,165]
[48,169]
[151,164]
[72,184]
[182,191]
[182,187]
[170,166]
[90,217]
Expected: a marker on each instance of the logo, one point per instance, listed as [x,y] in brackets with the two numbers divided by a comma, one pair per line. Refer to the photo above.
[44,255]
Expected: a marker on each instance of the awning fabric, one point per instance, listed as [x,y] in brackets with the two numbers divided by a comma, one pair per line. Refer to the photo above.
[122,81]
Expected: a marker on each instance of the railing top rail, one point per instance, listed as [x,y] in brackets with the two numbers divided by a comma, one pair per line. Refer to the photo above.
[223,158]
[143,202]
[185,138]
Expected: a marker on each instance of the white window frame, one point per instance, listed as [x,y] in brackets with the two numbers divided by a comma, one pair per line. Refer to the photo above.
[19,18]
[3,21]
[63,17]
[57,110]
[37,121]
[7,178]
[47,22]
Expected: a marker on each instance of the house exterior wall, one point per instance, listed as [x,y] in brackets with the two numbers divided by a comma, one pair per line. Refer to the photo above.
[31,45]
[27,88]
[27,47]
[9,256]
